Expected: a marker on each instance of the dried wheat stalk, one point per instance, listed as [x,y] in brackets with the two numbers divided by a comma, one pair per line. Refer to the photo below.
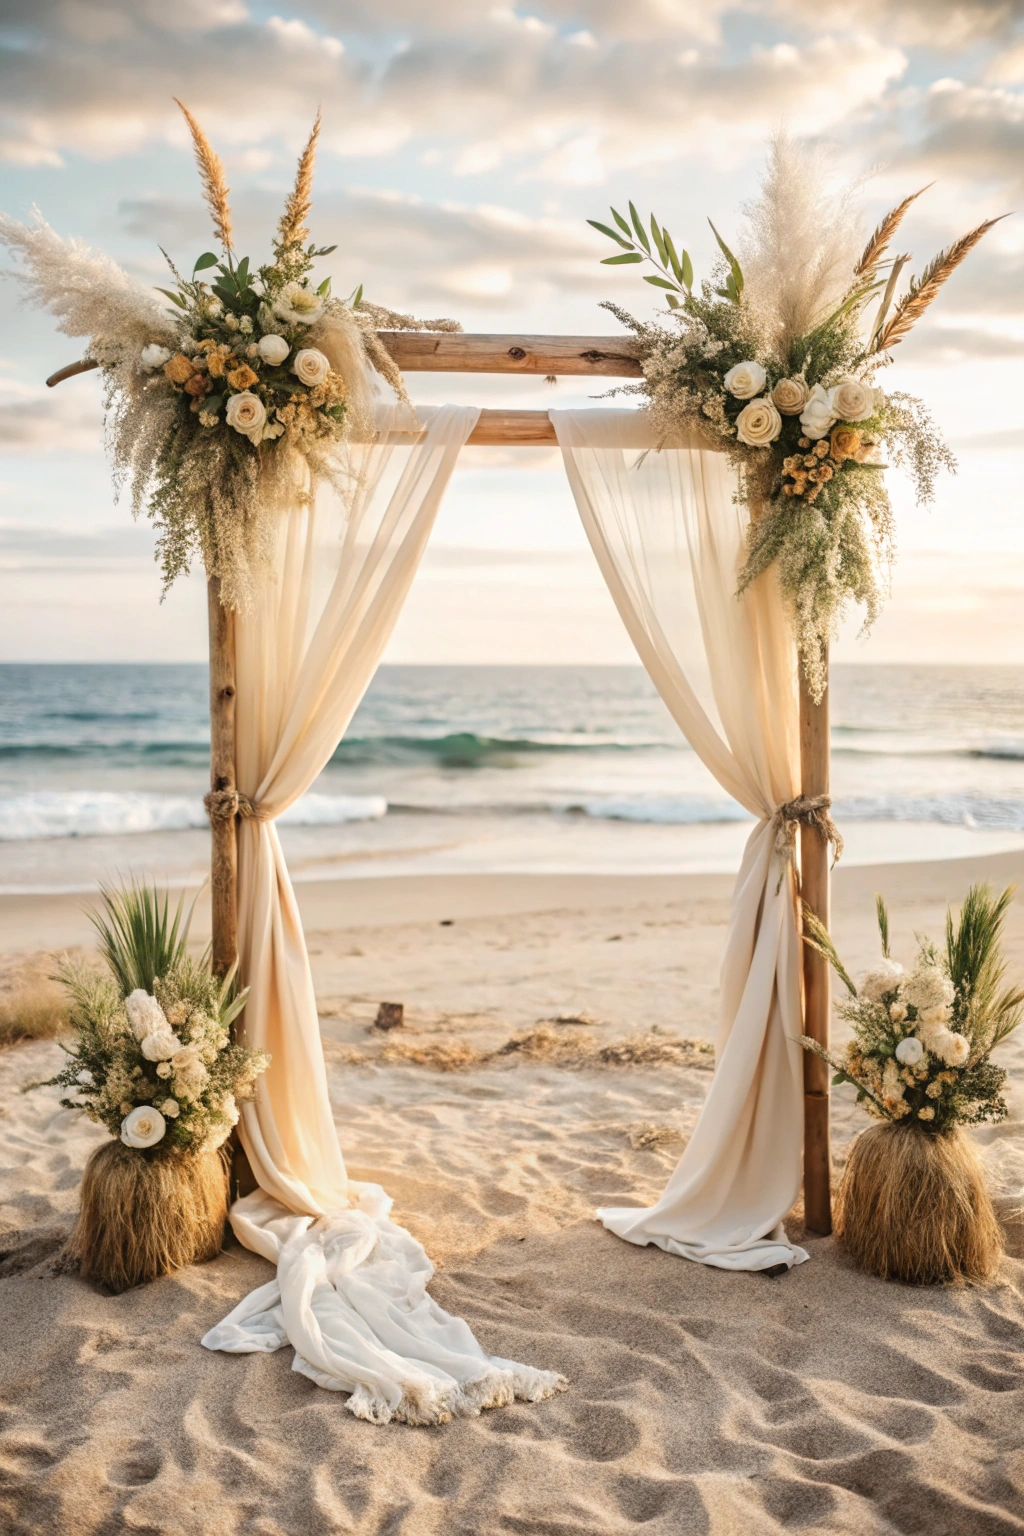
[924,289]
[211,174]
[879,242]
[292,228]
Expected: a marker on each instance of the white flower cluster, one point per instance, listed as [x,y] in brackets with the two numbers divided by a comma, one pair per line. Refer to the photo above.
[183,1066]
[760,421]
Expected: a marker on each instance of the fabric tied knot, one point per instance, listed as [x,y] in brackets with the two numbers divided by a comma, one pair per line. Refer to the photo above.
[805,811]
[225,804]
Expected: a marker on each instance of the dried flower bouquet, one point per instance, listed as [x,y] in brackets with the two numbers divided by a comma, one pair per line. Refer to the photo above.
[913,1203]
[775,361]
[238,400]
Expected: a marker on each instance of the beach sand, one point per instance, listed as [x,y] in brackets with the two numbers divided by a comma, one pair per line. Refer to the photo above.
[540,1073]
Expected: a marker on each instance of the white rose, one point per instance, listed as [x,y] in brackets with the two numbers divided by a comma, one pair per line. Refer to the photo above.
[273,349]
[144,1127]
[311,366]
[171,1108]
[851,400]
[160,1045]
[744,380]
[910,1051]
[154,356]
[298,305]
[790,396]
[245,412]
[884,978]
[144,1013]
[817,415]
[758,424]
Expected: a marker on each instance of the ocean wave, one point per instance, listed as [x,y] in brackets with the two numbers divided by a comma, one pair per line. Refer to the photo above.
[87,813]
[966,810]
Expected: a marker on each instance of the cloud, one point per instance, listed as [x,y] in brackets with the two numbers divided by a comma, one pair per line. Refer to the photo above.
[34,419]
[945,24]
[563,103]
[408,250]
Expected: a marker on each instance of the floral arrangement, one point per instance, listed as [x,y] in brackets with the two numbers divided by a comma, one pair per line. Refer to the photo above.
[776,361]
[155,1063]
[237,400]
[923,1038]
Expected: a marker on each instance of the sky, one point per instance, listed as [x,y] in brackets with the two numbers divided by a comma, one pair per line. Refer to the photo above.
[464,147]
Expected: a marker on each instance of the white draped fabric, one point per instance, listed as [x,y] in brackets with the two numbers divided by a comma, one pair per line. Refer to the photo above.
[350,1294]
[668,533]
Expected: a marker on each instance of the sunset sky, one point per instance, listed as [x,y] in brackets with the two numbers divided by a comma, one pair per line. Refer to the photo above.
[464,146]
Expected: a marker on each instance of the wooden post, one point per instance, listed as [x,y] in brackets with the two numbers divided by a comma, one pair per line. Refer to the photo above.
[224,852]
[814,881]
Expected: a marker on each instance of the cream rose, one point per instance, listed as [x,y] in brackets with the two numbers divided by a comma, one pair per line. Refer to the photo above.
[298,305]
[817,415]
[161,1045]
[246,413]
[273,349]
[851,400]
[144,1127]
[758,424]
[311,367]
[790,396]
[744,380]
[154,356]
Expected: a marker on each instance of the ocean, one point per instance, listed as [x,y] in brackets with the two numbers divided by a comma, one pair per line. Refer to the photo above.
[471,769]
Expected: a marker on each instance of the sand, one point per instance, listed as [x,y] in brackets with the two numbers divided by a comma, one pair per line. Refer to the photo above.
[498,1117]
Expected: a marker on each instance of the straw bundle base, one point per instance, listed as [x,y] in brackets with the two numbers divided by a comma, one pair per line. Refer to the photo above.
[143,1217]
[913,1206]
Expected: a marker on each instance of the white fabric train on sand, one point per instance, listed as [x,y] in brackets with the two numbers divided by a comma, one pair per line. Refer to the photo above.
[668,534]
[350,1292]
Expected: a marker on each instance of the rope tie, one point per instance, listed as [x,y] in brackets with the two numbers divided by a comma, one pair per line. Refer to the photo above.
[805,811]
[226,804]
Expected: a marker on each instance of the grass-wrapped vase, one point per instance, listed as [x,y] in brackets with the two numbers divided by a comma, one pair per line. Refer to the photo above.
[913,1206]
[143,1216]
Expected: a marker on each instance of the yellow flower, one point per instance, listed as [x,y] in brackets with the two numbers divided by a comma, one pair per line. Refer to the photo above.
[845,443]
[179,368]
[242,378]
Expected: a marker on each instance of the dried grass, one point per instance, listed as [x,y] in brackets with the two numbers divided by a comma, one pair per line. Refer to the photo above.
[211,174]
[565,1046]
[879,242]
[33,1011]
[292,227]
[143,1217]
[647,1136]
[925,288]
[913,1206]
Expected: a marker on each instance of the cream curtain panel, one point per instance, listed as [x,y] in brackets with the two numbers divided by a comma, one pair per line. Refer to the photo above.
[350,1292]
[668,534]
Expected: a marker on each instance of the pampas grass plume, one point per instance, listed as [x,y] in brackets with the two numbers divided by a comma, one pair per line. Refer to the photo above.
[211,174]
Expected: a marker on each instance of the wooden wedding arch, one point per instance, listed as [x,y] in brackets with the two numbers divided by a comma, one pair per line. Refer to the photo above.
[594,356]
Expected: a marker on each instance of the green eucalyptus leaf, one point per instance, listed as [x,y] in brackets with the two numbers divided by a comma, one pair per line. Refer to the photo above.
[659,241]
[686,278]
[641,233]
[619,261]
[242,271]
[620,221]
[673,258]
[627,245]
[734,266]
[661,282]
[207,259]
[325,288]
[175,298]
[325,250]
[672,301]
